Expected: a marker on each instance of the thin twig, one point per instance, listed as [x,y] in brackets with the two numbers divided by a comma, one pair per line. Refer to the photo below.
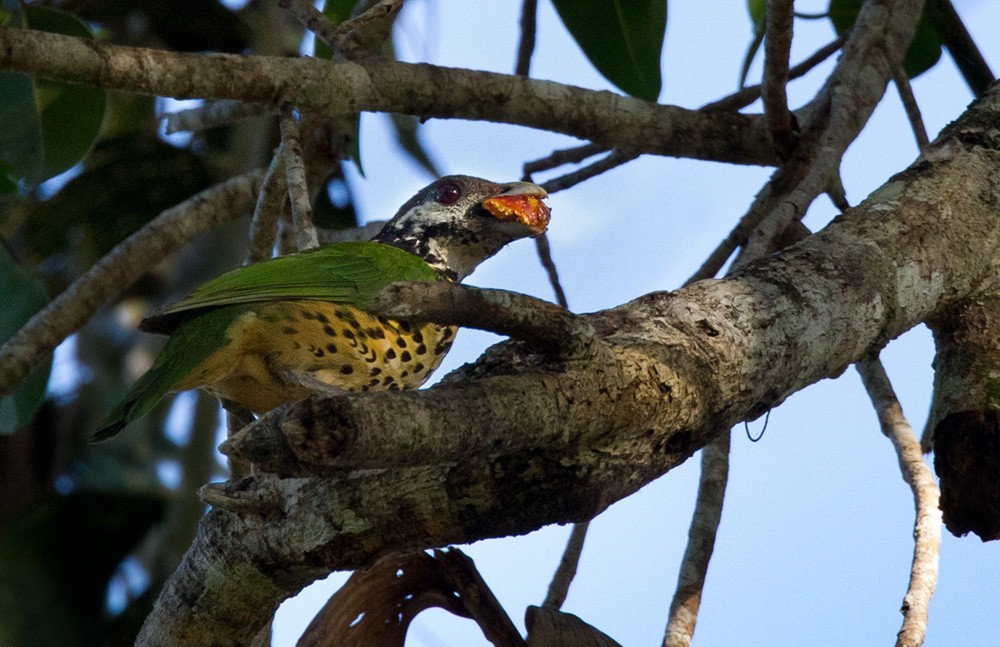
[211,115]
[560,157]
[378,11]
[701,542]
[107,279]
[777,47]
[566,571]
[616,158]
[751,93]
[902,82]
[526,47]
[927,526]
[964,51]
[295,172]
[545,257]
[315,21]
[270,202]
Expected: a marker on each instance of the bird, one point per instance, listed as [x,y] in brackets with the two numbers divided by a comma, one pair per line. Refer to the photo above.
[275,332]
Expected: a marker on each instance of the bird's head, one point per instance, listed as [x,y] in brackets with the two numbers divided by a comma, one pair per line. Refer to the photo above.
[458,222]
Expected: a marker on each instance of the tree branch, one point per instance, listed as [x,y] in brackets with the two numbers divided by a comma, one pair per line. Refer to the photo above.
[295,173]
[119,269]
[777,47]
[927,525]
[534,439]
[327,88]
[266,213]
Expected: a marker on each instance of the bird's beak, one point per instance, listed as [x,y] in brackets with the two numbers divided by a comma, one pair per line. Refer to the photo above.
[521,203]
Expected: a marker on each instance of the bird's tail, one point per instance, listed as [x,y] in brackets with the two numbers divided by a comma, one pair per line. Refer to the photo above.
[190,344]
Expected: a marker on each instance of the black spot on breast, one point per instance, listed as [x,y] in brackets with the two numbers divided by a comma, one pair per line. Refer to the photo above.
[331,348]
[448,332]
[376,333]
[365,387]
[288,330]
[418,367]
[404,326]
[307,315]
[401,342]
[375,371]
[390,354]
[348,333]
[418,338]
[394,387]
[421,349]
[322,318]
[388,380]
[406,356]
[346,369]
[330,331]
[318,352]
[374,382]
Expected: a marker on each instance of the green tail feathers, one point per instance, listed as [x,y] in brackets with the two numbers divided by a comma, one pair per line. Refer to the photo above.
[192,343]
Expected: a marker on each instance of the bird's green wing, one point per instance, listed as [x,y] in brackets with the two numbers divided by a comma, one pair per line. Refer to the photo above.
[189,346]
[343,273]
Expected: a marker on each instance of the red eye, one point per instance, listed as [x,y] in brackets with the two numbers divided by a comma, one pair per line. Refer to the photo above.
[448,193]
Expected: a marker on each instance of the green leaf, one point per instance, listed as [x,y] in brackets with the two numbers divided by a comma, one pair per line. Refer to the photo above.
[49,126]
[925,49]
[622,38]
[23,295]
[758,14]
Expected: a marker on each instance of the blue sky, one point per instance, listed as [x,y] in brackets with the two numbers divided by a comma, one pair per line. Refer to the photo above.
[815,541]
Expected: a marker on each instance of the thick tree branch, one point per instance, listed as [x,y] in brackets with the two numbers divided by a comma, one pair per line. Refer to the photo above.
[542,440]
[327,88]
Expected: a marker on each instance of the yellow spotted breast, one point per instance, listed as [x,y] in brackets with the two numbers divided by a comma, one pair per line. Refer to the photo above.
[282,352]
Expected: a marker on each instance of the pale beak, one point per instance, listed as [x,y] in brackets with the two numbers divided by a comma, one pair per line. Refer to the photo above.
[521,202]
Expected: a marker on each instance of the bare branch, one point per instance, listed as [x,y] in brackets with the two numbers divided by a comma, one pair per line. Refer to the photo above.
[526,47]
[211,115]
[831,122]
[964,51]
[613,160]
[566,571]
[545,257]
[295,172]
[119,269]
[315,21]
[777,46]
[910,105]
[326,88]
[747,95]
[546,326]
[560,157]
[270,202]
[701,542]
[927,526]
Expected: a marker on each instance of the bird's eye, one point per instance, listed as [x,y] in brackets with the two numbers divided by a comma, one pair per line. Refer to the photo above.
[448,193]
